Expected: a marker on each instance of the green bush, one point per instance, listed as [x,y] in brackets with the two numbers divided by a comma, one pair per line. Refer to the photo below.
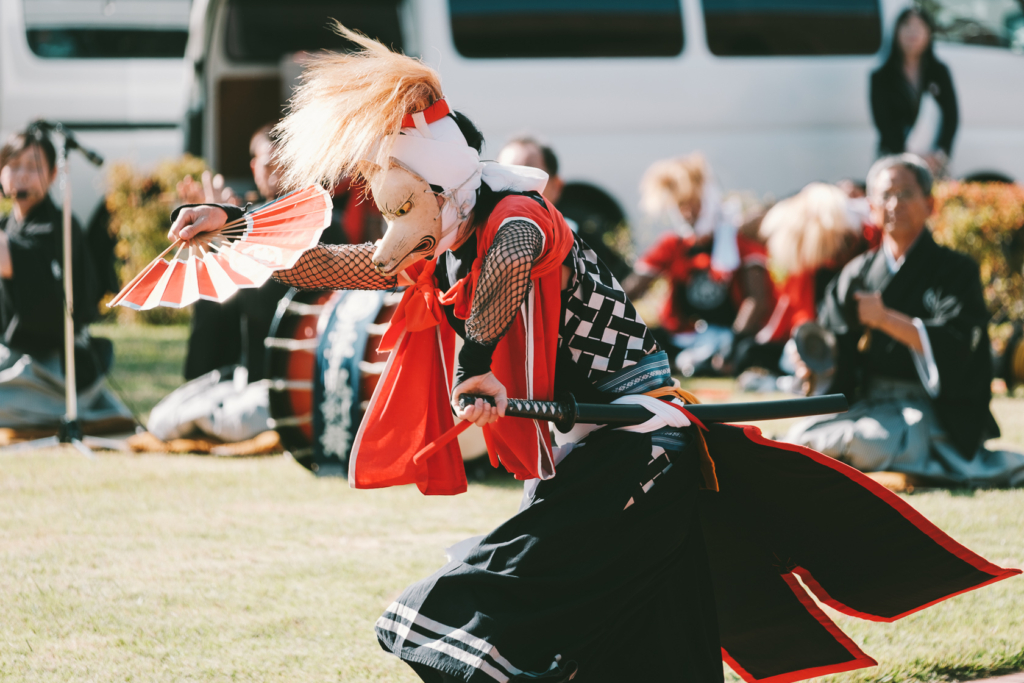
[986,221]
[140,207]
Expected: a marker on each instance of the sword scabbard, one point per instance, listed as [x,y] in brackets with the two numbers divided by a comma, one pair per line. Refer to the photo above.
[566,412]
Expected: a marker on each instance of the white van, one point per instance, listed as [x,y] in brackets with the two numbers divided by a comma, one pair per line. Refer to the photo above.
[774,92]
[111,70]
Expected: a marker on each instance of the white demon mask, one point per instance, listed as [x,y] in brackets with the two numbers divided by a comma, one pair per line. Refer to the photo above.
[428,191]
[410,207]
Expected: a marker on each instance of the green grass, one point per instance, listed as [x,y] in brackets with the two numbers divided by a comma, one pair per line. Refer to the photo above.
[164,568]
[202,569]
[186,568]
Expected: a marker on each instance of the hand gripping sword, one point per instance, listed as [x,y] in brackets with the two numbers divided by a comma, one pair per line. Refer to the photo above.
[567,412]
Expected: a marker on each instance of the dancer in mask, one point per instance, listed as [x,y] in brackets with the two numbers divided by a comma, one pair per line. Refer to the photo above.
[618,566]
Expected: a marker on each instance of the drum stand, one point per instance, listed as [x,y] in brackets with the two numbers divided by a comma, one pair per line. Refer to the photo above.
[70,431]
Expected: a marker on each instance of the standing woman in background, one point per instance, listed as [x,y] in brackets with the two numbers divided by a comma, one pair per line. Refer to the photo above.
[913,101]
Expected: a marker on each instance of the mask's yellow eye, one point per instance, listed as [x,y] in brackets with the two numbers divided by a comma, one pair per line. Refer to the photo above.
[404,209]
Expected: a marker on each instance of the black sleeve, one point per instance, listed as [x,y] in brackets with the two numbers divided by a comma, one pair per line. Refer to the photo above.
[948,105]
[884,113]
[958,335]
[36,289]
[957,330]
[833,317]
[234,212]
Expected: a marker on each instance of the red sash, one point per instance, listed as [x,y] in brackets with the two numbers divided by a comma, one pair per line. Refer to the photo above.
[409,412]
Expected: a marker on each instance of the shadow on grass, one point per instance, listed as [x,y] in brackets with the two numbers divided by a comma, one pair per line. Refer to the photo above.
[941,672]
[480,472]
[956,492]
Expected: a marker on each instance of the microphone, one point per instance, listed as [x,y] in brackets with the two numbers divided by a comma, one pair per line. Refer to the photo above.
[41,127]
[93,158]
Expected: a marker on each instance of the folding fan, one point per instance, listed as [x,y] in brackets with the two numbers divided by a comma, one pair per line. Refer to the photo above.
[242,254]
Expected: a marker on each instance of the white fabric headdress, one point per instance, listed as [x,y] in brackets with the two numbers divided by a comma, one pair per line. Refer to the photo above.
[725,253]
[439,154]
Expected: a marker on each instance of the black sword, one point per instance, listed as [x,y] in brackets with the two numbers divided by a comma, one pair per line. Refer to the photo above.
[567,412]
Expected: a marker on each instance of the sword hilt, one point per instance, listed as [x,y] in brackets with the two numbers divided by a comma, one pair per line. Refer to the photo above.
[561,413]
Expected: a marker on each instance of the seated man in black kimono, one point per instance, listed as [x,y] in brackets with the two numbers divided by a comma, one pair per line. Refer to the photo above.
[32,298]
[913,352]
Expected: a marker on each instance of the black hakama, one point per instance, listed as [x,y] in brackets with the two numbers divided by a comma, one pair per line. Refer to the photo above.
[576,578]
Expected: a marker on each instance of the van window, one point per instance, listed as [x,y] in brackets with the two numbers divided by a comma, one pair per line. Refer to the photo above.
[792,27]
[118,43]
[567,28]
[65,29]
[266,30]
[998,23]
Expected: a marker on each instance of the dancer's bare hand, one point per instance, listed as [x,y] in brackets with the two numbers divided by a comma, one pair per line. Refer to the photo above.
[193,220]
[481,413]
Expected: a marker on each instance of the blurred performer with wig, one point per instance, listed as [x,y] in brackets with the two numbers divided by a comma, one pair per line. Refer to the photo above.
[810,237]
[605,574]
[719,289]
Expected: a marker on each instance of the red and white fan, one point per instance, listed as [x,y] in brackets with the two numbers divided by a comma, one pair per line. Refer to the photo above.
[242,254]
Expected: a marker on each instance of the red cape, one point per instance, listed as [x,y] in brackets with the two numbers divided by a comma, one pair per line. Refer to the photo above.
[785,512]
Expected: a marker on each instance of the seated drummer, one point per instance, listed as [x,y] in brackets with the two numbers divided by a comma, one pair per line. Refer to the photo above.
[32,296]
[913,352]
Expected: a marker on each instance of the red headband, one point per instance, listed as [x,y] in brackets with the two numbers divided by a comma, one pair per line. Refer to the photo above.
[435,112]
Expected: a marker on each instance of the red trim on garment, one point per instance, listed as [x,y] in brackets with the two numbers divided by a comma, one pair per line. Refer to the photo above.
[901,506]
[689,416]
[860,659]
[801,675]
[823,596]
[435,112]
[739,670]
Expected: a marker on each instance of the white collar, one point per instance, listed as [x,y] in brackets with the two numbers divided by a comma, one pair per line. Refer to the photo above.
[891,261]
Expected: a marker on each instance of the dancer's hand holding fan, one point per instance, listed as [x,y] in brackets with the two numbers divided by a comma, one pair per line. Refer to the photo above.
[240,254]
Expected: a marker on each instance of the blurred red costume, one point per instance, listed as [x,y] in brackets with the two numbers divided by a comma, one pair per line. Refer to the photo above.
[799,294]
[684,264]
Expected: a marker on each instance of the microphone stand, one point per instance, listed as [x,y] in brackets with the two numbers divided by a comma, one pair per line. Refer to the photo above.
[70,431]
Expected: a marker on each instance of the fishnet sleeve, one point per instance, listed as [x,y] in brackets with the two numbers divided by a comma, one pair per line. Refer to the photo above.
[504,281]
[336,266]
[503,285]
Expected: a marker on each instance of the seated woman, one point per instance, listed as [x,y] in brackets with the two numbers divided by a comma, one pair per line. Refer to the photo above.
[810,237]
[719,288]
[32,299]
